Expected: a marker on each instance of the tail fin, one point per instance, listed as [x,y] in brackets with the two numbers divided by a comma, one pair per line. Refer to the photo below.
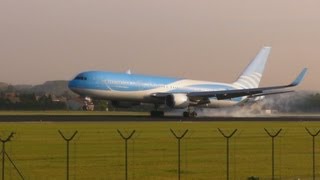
[251,76]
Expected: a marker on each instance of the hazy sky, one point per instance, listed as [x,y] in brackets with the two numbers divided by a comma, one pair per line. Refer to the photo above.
[212,40]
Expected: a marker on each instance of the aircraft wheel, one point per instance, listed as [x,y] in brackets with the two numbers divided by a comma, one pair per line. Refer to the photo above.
[190,114]
[193,114]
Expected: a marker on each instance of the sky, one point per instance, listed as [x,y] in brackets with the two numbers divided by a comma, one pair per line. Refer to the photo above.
[212,40]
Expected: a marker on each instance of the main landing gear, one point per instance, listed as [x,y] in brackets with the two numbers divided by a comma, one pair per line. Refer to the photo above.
[190,113]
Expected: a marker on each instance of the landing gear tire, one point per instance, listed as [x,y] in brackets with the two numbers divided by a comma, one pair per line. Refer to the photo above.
[156,113]
[190,114]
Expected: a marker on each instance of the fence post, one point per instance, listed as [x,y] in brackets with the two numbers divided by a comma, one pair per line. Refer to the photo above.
[313,151]
[126,150]
[227,138]
[272,137]
[4,153]
[68,140]
[179,149]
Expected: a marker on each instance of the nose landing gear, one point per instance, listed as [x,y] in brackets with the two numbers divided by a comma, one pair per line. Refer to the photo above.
[87,104]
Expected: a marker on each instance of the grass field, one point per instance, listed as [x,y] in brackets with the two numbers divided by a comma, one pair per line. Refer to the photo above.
[97,151]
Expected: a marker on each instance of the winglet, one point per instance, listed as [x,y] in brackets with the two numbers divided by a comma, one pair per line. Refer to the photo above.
[299,78]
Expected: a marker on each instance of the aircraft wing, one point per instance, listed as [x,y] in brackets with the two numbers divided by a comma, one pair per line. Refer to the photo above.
[227,94]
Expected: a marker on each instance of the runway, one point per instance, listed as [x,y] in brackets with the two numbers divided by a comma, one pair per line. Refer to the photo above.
[119,118]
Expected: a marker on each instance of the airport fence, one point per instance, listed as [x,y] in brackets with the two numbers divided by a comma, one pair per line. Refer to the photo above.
[221,154]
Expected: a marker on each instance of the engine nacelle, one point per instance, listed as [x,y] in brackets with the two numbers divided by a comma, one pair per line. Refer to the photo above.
[124,104]
[178,101]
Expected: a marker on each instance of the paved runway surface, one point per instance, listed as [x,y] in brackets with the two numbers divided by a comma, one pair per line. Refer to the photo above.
[103,118]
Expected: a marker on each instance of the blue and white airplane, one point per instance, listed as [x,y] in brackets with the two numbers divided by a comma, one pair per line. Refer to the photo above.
[126,89]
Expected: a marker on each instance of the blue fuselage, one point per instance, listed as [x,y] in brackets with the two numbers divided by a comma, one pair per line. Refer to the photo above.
[133,87]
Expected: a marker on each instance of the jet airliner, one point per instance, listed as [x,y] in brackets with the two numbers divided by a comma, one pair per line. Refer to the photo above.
[129,89]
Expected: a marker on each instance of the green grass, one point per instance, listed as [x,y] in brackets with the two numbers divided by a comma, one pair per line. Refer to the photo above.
[98,151]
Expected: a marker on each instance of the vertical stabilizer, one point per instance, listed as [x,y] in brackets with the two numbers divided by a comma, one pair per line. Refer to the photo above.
[251,76]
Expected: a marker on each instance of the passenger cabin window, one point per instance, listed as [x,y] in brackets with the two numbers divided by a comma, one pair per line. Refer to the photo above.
[80,78]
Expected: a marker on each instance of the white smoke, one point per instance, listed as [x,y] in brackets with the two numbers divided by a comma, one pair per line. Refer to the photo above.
[296,102]
[236,111]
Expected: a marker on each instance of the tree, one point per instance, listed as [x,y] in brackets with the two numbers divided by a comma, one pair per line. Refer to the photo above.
[10,89]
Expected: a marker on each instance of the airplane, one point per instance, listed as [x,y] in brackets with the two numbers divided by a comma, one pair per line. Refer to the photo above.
[129,89]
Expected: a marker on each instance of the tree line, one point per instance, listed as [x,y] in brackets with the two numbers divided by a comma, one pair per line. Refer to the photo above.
[29,102]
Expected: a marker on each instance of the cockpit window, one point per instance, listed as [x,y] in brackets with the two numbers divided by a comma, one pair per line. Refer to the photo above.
[80,78]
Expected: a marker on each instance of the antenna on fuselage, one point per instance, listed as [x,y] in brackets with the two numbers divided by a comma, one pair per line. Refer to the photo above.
[128,71]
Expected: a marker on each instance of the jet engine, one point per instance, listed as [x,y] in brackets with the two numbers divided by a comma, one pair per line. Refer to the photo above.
[178,101]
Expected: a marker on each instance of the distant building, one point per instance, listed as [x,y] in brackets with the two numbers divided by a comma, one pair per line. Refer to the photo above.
[58,99]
